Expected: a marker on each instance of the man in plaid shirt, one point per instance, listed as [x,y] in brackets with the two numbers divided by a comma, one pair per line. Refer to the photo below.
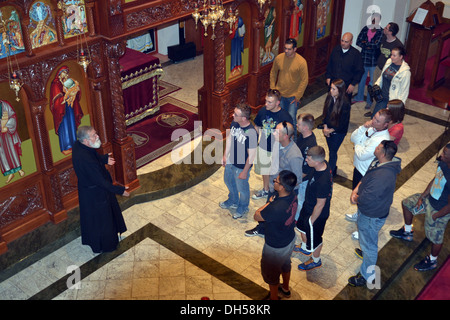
[369,39]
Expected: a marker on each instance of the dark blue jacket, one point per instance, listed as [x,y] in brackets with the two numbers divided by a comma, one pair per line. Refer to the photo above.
[377,187]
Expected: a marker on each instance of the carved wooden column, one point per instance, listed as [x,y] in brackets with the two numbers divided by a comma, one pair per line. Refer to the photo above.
[122,144]
[309,42]
[40,131]
[26,36]
[221,94]
[98,91]
[59,26]
[50,179]
[90,6]
[254,88]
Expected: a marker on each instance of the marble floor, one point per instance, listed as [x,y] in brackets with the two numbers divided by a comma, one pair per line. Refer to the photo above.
[184,247]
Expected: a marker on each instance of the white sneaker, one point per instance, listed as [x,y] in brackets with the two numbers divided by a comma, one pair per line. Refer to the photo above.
[351,217]
[260,194]
[355,235]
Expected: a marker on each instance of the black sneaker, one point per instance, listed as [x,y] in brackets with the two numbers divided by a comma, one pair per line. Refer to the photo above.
[368,114]
[359,253]
[357,281]
[402,234]
[426,264]
[285,294]
[254,232]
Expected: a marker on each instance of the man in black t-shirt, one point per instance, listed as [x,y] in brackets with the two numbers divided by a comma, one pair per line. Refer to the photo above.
[278,216]
[266,121]
[316,208]
[389,41]
[238,158]
[305,141]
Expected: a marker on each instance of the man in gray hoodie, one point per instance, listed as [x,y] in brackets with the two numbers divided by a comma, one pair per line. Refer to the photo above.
[374,195]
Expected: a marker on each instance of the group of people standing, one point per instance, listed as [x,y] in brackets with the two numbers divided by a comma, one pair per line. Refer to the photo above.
[298,181]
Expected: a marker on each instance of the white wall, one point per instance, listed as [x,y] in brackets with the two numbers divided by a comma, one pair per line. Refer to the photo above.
[167,36]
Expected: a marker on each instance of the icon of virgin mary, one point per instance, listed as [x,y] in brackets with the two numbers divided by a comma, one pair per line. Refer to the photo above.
[65,106]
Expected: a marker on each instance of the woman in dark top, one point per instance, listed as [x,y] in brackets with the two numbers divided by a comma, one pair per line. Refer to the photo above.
[336,115]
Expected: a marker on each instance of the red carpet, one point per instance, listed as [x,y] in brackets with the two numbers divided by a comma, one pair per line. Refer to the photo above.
[166,88]
[421,94]
[438,288]
[152,136]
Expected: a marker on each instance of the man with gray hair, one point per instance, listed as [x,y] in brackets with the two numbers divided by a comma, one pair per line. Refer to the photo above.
[316,208]
[101,218]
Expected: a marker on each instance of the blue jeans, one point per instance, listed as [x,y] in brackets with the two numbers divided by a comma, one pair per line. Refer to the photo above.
[380,105]
[334,142]
[368,229]
[362,85]
[292,108]
[239,189]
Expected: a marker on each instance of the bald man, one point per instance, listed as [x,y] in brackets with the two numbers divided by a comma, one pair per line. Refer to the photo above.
[345,63]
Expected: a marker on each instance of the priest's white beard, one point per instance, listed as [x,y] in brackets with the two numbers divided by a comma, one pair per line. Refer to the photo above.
[96,144]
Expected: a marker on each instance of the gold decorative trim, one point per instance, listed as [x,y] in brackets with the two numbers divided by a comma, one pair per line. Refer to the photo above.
[139,76]
[141,116]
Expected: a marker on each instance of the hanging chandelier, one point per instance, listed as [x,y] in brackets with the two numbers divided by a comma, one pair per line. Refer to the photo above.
[83,52]
[213,13]
[261,3]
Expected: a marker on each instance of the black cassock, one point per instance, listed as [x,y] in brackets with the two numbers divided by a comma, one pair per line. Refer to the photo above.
[101,218]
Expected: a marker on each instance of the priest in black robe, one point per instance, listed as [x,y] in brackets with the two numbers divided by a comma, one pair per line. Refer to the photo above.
[101,218]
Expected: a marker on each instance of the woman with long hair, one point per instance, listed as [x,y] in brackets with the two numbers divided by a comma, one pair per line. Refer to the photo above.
[336,115]
[397,108]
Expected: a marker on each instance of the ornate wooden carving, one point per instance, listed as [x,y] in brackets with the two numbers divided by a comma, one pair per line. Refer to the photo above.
[113,52]
[67,181]
[59,26]
[122,144]
[90,6]
[219,60]
[18,206]
[161,11]
[41,134]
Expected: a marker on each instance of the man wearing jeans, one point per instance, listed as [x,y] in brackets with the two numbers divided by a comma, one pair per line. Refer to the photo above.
[289,75]
[240,151]
[374,195]
[366,138]
[369,40]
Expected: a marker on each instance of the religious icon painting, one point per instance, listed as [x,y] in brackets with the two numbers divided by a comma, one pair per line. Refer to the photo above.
[269,35]
[74,17]
[17,154]
[297,22]
[11,32]
[67,108]
[42,28]
[323,21]
[237,46]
